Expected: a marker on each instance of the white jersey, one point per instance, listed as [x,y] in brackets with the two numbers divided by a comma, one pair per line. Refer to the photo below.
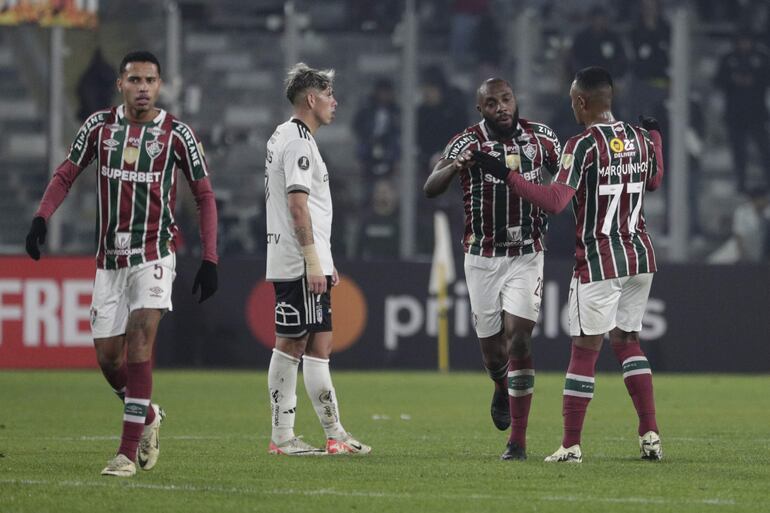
[293,163]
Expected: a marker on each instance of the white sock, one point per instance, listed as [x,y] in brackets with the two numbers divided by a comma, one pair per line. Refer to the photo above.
[318,383]
[282,384]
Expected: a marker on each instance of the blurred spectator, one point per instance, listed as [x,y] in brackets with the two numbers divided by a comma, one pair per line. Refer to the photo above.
[650,42]
[650,46]
[465,28]
[743,75]
[379,229]
[440,116]
[750,225]
[97,85]
[377,129]
[719,11]
[599,45]
[374,15]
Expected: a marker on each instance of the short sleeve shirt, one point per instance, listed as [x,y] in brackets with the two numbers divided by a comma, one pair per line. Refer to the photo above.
[294,165]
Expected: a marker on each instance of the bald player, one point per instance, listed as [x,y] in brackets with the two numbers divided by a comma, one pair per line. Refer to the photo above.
[605,171]
[503,243]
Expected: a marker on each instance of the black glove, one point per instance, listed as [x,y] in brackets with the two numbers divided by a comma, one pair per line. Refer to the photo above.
[490,163]
[206,279]
[649,123]
[36,236]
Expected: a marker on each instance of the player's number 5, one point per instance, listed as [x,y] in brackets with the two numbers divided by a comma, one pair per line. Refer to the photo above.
[616,191]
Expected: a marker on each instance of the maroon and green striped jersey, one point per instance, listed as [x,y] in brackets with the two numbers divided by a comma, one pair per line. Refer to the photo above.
[609,165]
[136,182]
[497,222]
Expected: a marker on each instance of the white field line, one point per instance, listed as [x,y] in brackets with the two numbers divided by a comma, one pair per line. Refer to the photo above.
[347,493]
[91,438]
[693,439]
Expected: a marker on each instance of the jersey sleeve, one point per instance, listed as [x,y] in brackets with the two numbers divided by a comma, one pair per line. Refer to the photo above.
[460,142]
[298,165]
[572,160]
[188,153]
[654,144]
[84,147]
[552,149]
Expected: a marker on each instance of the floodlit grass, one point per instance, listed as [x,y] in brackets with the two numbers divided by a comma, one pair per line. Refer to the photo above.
[434,447]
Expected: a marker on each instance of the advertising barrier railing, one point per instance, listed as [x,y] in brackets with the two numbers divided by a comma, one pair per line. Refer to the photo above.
[699,318]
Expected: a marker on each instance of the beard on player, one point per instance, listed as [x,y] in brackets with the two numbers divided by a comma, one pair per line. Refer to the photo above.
[504,125]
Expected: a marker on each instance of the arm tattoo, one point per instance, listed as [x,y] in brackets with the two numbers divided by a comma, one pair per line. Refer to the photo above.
[304,235]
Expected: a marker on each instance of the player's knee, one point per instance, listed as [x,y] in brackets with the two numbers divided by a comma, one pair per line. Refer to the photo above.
[521,345]
[109,359]
[618,336]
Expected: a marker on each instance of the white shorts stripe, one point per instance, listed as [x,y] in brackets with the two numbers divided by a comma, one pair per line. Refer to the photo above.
[578,394]
[578,377]
[636,372]
[304,298]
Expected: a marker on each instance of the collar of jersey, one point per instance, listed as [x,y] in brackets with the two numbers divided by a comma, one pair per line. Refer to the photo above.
[301,123]
[157,120]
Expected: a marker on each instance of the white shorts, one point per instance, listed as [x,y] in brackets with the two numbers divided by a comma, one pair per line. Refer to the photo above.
[120,291]
[597,307]
[513,284]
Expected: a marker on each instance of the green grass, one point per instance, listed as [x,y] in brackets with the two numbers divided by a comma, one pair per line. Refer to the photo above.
[435,448]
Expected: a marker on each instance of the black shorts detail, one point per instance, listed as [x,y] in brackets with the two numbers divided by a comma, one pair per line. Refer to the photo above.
[298,311]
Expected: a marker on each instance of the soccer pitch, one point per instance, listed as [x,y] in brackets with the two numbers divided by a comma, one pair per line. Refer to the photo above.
[434,447]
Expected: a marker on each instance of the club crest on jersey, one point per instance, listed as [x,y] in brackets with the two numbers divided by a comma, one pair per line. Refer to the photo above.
[529,150]
[303,163]
[567,160]
[154,148]
[122,240]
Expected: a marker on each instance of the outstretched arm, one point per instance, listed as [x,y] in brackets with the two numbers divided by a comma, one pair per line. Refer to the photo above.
[552,198]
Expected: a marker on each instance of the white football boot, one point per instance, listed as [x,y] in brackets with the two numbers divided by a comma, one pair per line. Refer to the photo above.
[149,444]
[119,466]
[346,445]
[294,447]
[569,455]
[650,447]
